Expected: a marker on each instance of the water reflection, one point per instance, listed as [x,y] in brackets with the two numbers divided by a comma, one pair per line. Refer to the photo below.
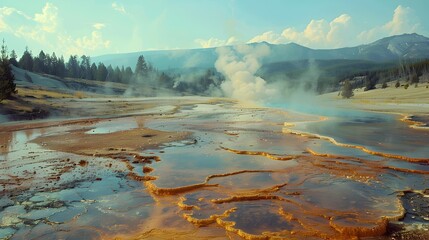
[112,126]
[239,172]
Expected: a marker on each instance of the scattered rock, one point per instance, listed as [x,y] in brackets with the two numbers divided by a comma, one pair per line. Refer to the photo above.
[147,169]
[83,163]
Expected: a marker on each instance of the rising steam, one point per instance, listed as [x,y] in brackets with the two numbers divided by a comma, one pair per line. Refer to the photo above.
[239,65]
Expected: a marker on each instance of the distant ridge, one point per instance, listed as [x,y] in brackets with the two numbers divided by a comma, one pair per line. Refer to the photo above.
[405,46]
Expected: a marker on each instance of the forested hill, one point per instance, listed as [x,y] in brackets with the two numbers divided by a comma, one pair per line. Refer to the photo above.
[406,46]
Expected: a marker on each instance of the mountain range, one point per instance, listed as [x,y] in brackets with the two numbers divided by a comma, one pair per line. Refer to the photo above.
[389,49]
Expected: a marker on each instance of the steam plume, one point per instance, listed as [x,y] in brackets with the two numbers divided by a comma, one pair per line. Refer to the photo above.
[239,65]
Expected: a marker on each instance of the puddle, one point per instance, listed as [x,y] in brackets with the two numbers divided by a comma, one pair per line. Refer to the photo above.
[113,125]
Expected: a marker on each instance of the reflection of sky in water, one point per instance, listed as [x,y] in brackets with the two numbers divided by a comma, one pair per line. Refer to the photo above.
[114,125]
[20,148]
[378,132]
[190,163]
[115,200]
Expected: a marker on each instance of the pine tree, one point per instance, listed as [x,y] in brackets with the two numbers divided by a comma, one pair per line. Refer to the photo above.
[7,85]
[141,67]
[110,73]
[48,64]
[13,59]
[94,71]
[85,67]
[117,75]
[128,74]
[122,74]
[39,64]
[61,67]
[26,61]
[101,73]
[347,91]
[54,65]
[73,67]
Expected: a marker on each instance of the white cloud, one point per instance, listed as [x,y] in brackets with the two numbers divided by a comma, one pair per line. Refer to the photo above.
[7,11]
[403,21]
[8,14]
[33,28]
[44,29]
[82,45]
[318,33]
[118,7]
[92,42]
[48,19]
[99,26]
[3,25]
[315,32]
[214,42]
[270,37]
[338,32]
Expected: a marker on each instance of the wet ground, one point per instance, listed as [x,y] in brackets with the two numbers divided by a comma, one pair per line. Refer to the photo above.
[206,169]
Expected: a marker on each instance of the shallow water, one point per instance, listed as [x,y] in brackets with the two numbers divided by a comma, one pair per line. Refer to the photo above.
[378,132]
[113,126]
[241,173]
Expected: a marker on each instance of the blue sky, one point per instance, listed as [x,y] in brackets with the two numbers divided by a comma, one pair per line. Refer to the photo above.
[100,27]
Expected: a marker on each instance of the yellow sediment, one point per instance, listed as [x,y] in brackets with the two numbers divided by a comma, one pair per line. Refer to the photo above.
[207,221]
[265,154]
[136,177]
[369,163]
[288,216]
[288,124]
[246,198]
[147,169]
[185,206]
[412,123]
[374,229]
[229,226]
[334,156]
[231,133]
[362,148]
[274,188]
[172,191]
[406,170]
[165,233]
[145,159]
[236,173]
[128,164]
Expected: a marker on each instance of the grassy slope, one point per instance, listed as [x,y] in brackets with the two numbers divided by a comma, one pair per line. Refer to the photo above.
[397,100]
[33,103]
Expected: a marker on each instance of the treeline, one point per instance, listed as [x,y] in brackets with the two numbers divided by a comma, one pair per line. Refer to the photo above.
[76,67]
[410,71]
[144,74]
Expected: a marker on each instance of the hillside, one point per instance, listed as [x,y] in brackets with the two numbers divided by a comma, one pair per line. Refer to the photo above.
[410,101]
[394,48]
[26,79]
